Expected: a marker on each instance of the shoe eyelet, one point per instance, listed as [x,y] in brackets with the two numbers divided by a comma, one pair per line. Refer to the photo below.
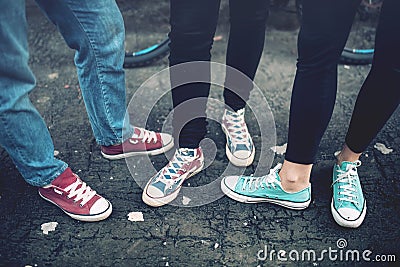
[154,142]
[80,205]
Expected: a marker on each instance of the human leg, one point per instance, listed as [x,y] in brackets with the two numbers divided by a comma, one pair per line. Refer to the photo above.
[23,132]
[95,30]
[321,40]
[245,46]
[193,25]
[381,91]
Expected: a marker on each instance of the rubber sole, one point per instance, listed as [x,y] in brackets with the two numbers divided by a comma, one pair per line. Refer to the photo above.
[158,202]
[346,223]
[85,218]
[139,153]
[246,199]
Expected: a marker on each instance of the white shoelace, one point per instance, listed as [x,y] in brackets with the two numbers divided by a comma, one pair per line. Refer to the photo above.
[84,193]
[146,135]
[237,127]
[269,180]
[349,179]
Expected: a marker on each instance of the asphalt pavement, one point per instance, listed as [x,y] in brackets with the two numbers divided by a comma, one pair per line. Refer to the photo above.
[221,232]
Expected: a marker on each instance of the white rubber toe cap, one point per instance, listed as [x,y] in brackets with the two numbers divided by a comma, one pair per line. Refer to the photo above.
[100,206]
[166,138]
[230,181]
[349,214]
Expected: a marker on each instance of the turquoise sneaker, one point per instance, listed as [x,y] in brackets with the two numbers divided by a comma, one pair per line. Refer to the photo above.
[249,189]
[348,205]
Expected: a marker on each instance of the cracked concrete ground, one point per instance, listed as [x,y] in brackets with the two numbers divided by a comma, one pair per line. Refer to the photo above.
[221,233]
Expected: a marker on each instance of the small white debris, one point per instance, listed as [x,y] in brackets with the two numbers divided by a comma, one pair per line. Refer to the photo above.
[185,200]
[48,227]
[280,150]
[135,217]
[167,264]
[164,243]
[53,75]
[245,223]
[336,153]
[216,245]
[255,217]
[43,99]
[56,153]
[382,148]
[188,184]
[204,242]
[111,178]
[347,67]
[366,155]
[76,151]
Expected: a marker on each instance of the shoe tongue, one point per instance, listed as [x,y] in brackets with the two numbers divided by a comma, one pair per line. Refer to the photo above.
[186,152]
[238,113]
[136,133]
[64,179]
[345,165]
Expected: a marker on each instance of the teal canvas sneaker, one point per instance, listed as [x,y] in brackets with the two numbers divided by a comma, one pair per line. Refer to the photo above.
[249,189]
[348,205]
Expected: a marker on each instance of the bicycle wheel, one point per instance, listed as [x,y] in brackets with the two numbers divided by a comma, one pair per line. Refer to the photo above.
[359,48]
[360,44]
[146,29]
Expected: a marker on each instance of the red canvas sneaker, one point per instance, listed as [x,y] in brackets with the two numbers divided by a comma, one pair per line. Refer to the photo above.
[75,198]
[142,142]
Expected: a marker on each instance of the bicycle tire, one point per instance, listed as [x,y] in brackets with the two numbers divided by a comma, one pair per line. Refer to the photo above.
[147,56]
[356,57]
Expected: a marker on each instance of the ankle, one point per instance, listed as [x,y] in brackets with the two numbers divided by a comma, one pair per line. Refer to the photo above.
[346,154]
[294,176]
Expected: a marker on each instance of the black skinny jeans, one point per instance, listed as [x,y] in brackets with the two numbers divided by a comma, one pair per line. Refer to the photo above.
[193,25]
[325,28]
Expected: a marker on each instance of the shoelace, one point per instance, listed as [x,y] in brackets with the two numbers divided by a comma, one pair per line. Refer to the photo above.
[269,180]
[349,179]
[171,171]
[146,135]
[84,193]
[237,127]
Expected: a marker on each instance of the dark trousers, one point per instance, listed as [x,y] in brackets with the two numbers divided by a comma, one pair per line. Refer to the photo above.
[193,25]
[325,28]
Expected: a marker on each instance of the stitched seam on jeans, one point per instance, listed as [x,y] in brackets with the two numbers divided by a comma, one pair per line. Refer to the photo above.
[99,76]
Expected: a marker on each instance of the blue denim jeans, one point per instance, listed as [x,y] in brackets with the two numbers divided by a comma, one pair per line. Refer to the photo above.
[95,30]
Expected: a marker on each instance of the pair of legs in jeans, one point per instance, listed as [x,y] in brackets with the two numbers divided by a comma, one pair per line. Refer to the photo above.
[323,34]
[95,29]
[193,25]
